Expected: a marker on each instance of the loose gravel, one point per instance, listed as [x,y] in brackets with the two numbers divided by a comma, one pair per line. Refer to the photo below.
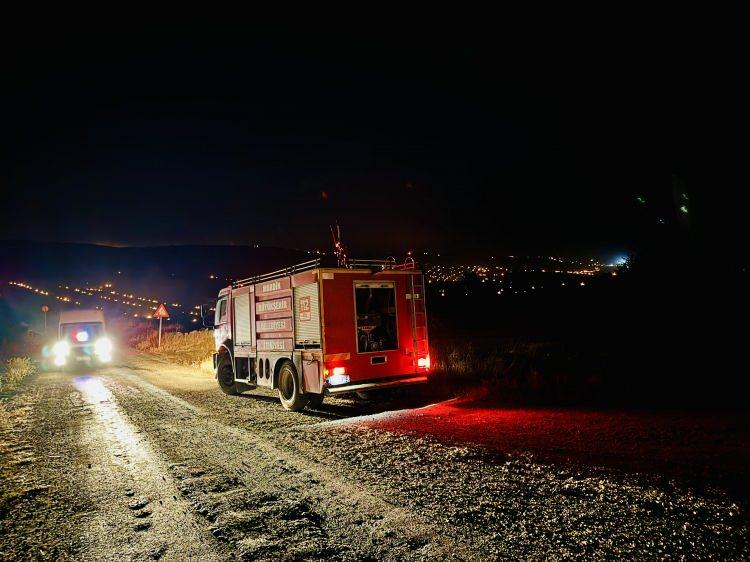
[150,461]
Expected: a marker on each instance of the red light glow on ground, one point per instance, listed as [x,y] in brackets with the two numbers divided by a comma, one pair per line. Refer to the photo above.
[700,445]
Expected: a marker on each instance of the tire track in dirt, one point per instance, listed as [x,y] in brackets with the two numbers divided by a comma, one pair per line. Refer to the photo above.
[43,511]
[270,503]
[503,507]
[140,513]
[79,484]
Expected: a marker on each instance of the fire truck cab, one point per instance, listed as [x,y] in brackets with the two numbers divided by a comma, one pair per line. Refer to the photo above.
[308,331]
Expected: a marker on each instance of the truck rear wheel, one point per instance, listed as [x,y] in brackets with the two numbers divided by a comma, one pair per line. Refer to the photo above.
[290,393]
[226,379]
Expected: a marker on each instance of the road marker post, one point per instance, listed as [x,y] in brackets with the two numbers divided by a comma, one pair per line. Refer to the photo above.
[45,310]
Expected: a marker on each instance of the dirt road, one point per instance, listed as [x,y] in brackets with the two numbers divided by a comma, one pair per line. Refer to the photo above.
[146,461]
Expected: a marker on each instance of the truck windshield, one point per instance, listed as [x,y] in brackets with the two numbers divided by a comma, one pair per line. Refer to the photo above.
[81,332]
[376,317]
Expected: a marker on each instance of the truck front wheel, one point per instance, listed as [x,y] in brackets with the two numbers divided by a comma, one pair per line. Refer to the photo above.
[226,379]
[290,394]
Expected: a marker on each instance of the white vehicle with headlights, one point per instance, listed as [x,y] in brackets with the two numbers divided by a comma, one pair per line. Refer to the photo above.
[82,340]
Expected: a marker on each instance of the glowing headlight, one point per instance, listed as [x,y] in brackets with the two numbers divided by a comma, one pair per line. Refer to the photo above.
[103,345]
[103,348]
[61,348]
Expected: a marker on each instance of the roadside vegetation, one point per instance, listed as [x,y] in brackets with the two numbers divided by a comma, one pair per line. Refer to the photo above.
[192,349]
[517,370]
[13,371]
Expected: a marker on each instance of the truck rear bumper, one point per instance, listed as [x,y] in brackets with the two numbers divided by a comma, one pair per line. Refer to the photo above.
[374,385]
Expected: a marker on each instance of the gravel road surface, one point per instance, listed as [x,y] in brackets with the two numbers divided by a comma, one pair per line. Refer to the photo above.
[148,461]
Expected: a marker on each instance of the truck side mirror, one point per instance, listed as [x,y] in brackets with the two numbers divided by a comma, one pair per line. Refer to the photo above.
[207,314]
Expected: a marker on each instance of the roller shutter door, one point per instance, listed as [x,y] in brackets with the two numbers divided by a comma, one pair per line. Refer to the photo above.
[306,315]
[243,333]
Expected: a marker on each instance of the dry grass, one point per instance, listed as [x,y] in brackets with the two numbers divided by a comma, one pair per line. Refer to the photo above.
[192,348]
[519,370]
[14,370]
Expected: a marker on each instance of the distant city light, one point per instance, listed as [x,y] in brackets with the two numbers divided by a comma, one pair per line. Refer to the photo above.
[618,261]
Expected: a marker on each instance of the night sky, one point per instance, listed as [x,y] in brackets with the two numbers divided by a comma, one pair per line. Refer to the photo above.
[453,142]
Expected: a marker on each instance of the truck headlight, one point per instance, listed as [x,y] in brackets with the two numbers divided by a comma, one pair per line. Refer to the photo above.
[103,349]
[60,350]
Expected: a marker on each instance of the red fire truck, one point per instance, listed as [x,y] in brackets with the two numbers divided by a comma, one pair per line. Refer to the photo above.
[309,331]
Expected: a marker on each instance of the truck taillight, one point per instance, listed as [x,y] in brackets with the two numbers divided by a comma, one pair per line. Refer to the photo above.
[337,377]
[423,362]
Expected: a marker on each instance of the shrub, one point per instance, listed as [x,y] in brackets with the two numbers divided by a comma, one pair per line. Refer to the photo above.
[14,371]
[518,370]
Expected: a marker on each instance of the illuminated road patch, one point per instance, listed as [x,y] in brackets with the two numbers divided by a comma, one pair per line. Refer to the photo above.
[141,512]
[120,434]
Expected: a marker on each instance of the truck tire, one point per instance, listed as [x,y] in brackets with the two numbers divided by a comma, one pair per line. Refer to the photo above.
[226,379]
[290,393]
